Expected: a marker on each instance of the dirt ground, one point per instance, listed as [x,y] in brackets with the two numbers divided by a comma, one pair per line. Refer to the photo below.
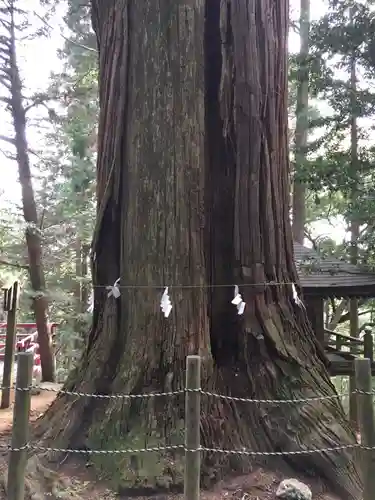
[39,404]
[260,485]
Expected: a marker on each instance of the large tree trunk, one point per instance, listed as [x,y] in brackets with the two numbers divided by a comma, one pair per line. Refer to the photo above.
[32,233]
[193,191]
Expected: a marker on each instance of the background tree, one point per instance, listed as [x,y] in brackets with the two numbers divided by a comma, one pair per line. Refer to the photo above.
[68,191]
[15,101]
[340,159]
[172,213]
[339,170]
[302,124]
[63,171]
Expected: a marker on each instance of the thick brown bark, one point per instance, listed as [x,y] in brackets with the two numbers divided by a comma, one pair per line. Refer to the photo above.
[193,190]
[33,237]
[299,188]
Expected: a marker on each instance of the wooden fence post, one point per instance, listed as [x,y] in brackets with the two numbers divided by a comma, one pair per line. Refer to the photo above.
[366,422]
[20,430]
[10,344]
[192,428]
[368,346]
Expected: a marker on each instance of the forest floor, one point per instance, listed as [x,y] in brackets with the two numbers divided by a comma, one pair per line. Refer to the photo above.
[75,472]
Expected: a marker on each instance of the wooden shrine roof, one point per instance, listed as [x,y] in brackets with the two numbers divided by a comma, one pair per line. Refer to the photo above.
[330,277]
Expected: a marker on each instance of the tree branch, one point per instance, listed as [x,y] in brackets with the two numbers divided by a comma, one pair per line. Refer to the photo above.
[8,155]
[66,38]
[38,101]
[337,315]
[4,56]
[10,140]
[5,41]
[5,100]
[6,24]
[295,26]
[4,69]
[12,264]
[346,317]
[4,82]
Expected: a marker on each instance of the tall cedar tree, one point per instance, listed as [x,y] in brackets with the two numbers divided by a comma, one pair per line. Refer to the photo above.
[302,124]
[10,80]
[192,186]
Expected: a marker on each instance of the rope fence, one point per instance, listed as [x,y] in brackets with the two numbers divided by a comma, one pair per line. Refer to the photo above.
[20,445]
[183,447]
[184,391]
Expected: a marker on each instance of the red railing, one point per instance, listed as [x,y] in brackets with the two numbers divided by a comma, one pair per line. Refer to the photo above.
[27,326]
[26,342]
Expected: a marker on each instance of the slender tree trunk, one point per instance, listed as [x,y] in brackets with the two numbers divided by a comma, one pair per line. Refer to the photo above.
[78,288]
[78,269]
[33,236]
[85,292]
[302,125]
[355,226]
[81,291]
[193,190]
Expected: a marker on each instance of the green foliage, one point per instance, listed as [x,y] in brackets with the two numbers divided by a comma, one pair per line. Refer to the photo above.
[339,168]
[337,41]
[69,192]
[64,184]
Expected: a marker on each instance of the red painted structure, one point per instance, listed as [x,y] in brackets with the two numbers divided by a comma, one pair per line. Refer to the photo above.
[26,341]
